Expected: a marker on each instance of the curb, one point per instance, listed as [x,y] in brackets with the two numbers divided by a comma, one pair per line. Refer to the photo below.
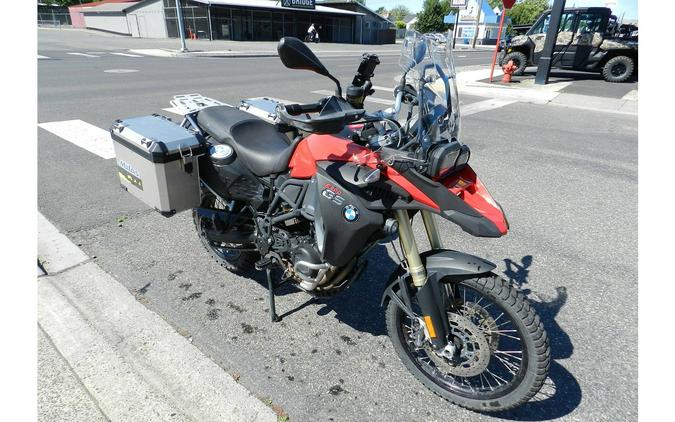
[131,361]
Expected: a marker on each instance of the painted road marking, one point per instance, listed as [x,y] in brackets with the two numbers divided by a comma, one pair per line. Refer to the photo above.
[486,105]
[126,55]
[84,135]
[120,71]
[157,52]
[43,57]
[82,54]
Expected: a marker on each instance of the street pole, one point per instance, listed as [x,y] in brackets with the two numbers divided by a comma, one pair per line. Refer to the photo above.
[454,32]
[544,65]
[499,37]
[181,32]
[475,35]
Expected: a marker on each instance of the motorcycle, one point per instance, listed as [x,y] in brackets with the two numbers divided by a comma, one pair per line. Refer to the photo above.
[310,189]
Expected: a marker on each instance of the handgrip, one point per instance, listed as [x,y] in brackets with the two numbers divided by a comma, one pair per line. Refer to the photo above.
[295,109]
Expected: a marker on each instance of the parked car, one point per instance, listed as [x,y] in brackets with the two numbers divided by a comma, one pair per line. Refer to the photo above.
[588,40]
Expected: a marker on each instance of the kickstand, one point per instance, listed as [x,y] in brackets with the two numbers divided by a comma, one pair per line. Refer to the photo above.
[270,288]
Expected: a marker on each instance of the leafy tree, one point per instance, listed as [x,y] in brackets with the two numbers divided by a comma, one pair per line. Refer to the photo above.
[400,24]
[430,19]
[381,11]
[525,12]
[399,13]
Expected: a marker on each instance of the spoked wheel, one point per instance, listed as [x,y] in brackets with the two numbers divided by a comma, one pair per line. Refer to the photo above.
[227,255]
[499,355]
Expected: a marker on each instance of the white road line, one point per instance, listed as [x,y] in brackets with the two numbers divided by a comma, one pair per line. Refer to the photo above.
[157,52]
[126,55]
[383,88]
[55,251]
[43,57]
[82,54]
[84,135]
[486,105]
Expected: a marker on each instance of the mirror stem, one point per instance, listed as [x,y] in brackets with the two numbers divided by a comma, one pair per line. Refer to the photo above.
[339,87]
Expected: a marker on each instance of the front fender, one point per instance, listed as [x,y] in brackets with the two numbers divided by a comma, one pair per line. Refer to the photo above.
[439,264]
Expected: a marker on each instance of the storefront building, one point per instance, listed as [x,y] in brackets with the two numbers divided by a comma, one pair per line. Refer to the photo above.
[237,20]
[258,20]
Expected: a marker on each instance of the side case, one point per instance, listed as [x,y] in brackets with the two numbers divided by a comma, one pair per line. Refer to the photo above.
[157,162]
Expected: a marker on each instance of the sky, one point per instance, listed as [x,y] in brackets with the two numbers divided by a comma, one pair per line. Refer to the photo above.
[628,6]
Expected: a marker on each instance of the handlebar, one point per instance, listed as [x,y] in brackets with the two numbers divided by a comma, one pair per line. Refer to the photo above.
[297,109]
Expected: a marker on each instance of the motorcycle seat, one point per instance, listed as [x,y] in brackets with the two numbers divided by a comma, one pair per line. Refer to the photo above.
[261,147]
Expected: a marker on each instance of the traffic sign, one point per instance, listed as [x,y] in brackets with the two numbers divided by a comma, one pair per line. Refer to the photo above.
[459,4]
[508,3]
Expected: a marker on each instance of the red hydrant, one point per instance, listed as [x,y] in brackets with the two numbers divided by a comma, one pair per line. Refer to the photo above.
[508,70]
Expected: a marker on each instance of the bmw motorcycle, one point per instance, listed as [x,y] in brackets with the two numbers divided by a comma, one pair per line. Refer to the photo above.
[310,189]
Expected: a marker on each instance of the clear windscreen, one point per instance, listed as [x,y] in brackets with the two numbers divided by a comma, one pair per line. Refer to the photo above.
[427,59]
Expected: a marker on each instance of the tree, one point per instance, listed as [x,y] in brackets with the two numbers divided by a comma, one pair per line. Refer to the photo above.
[525,12]
[381,11]
[430,19]
[400,24]
[398,13]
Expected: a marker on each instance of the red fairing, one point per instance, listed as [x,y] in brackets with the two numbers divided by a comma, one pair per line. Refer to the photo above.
[467,186]
[335,148]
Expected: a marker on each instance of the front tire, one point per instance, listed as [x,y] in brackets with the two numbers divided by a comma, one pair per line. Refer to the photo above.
[467,383]
[618,69]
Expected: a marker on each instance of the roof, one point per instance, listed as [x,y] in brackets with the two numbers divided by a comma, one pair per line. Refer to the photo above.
[98,3]
[108,7]
[358,6]
[266,4]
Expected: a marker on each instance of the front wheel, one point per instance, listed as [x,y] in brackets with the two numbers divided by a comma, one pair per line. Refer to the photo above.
[499,355]
[618,69]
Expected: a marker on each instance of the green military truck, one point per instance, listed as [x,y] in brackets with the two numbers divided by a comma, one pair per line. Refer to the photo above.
[588,40]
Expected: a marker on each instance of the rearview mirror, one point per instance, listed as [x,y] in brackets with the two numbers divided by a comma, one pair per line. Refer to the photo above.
[294,54]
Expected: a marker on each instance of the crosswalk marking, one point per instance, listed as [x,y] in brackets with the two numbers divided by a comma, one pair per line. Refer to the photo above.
[82,54]
[486,105]
[84,135]
[43,57]
[126,54]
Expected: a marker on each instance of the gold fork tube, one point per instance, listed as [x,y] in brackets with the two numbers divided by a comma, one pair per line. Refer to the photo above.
[432,230]
[409,245]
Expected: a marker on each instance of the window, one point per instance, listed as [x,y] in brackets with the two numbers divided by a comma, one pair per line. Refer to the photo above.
[566,22]
[541,26]
[589,22]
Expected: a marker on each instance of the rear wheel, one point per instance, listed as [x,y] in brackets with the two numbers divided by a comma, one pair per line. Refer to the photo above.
[618,69]
[519,59]
[232,259]
[499,357]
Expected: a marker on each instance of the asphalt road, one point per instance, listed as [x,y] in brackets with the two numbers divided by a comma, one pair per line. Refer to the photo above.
[567,180]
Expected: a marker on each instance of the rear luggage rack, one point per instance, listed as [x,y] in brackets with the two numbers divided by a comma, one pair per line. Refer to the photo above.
[190,103]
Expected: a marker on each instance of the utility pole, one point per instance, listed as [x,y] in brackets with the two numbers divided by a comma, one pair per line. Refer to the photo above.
[475,35]
[181,32]
[544,65]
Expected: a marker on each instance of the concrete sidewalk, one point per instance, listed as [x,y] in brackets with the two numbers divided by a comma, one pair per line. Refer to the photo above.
[469,83]
[105,356]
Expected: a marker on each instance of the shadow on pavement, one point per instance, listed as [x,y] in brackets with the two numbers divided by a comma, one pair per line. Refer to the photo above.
[561,393]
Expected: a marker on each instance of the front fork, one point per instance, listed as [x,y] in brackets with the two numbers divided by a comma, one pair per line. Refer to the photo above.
[429,299]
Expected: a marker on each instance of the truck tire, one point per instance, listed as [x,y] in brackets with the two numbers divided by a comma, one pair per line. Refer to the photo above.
[519,59]
[618,69]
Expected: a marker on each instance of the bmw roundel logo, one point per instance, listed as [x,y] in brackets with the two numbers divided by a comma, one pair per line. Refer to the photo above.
[350,213]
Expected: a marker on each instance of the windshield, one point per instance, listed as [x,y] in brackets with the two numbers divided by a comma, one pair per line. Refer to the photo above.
[427,63]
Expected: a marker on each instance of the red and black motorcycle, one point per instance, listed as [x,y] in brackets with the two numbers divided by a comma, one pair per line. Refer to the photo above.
[312,188]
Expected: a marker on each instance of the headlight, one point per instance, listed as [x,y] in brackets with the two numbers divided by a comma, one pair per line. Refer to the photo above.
[446,157]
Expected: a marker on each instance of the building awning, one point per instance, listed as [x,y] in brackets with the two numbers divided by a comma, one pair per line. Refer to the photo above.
[266,4]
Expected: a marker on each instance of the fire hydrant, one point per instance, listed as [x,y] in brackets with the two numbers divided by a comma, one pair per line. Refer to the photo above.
[508,70]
